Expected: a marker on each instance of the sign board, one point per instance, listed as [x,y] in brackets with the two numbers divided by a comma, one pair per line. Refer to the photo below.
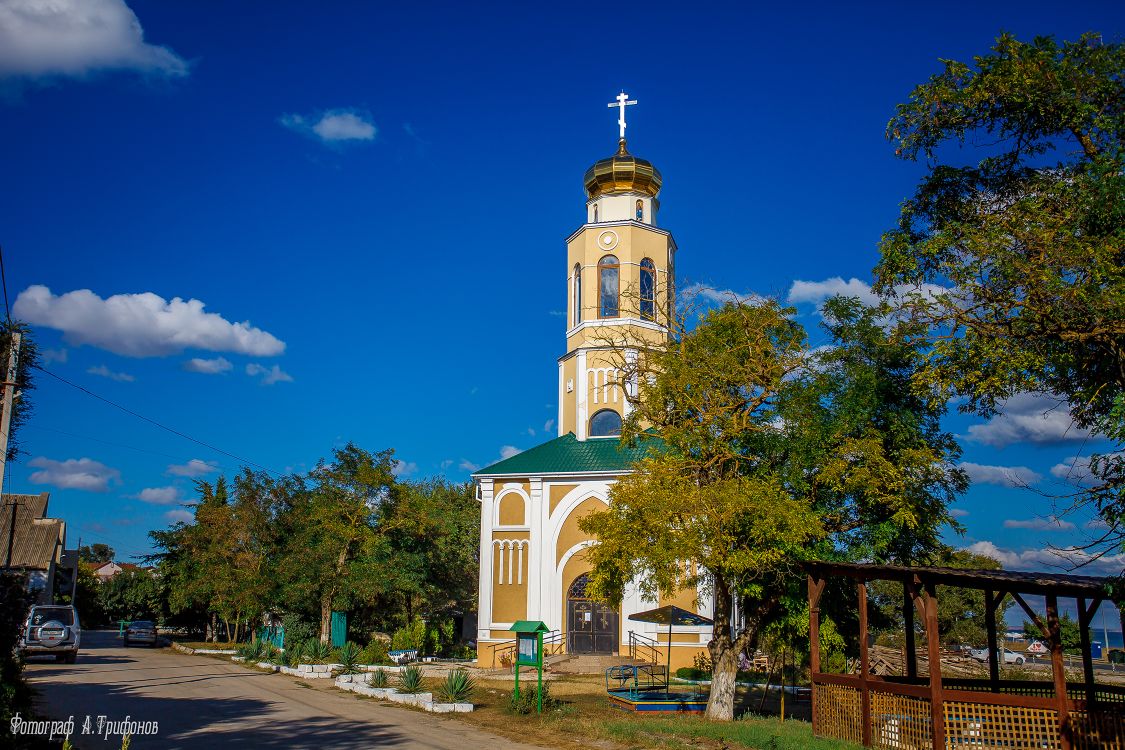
[528,652]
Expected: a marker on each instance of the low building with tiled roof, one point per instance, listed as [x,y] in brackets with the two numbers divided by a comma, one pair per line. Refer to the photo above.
[31,543]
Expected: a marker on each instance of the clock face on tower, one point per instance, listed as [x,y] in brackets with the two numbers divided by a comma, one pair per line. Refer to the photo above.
[607,240]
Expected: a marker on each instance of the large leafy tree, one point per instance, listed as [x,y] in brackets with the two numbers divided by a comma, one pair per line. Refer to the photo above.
[1018,250]
[770,455]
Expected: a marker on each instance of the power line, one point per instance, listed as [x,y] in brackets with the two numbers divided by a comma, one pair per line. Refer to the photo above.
[153,422]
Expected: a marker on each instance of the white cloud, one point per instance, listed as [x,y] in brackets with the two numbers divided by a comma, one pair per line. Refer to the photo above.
[159,495]
[467,465]
[1050,558]
[717,296]
[548,425]
[403,468]
[818,291]
[507,451]
[958,512]
[1076,469]
[75,37]
[1004,476]
[446,463]
[213,366]
[105,372]
[1031,418]
[194,468]
[333,125]
[74,474]
[141,325]
[270,375]
[179,516]
[54,355]
[1050,523]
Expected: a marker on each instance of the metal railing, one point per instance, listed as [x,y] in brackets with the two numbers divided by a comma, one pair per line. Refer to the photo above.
[505,651]
[643,648]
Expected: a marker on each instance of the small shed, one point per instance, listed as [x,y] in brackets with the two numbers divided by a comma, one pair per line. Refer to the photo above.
[910,711]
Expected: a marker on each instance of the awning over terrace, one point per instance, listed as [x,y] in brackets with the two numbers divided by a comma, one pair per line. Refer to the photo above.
[929,712]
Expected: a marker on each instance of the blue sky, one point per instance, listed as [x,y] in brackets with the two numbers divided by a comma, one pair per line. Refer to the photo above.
[381,193]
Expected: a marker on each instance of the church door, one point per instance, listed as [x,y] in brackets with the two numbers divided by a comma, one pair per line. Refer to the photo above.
[591,627]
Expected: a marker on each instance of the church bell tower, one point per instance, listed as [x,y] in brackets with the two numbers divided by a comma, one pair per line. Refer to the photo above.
[620,289]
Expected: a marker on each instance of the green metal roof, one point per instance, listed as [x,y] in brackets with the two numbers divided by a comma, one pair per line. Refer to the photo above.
[567,455]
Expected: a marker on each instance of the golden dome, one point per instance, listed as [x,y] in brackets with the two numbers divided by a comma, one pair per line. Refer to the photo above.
[622,173]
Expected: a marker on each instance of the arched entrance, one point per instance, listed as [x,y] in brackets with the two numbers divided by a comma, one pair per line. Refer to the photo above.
[591,627]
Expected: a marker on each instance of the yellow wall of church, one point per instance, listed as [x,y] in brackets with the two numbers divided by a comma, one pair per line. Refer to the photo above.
[512,510]
[570,534]
[557,492]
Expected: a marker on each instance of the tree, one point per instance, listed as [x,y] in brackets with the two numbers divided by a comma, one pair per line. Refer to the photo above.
[1069,633]
[1016,262]
[338,555]
[25,383]
[95,553]
[770,456]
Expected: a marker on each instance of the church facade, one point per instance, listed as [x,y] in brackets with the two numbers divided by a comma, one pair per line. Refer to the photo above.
[620,289]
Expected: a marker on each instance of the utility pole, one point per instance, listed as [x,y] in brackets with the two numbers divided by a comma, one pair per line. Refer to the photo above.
[5,427]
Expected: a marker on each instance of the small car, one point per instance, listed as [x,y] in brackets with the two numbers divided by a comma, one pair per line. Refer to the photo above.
[140,631]
[52,629]
[1006,656]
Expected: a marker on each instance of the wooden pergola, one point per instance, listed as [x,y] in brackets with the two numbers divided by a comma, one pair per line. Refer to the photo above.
[916,712]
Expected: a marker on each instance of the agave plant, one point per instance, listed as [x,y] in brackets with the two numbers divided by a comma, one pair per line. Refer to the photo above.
[457,687]
[348,656]
[410,679]
[293,654]
[379,678]
[315,652]
[269,653]
[251,650]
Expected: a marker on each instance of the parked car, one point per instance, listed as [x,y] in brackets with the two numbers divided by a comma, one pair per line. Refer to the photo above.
[1006,656]
[140,631]
[52,629]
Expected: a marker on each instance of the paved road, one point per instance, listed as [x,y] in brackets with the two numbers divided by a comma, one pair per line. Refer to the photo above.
[202,702]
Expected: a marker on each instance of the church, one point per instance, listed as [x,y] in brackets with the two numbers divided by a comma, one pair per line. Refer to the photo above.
[620,287]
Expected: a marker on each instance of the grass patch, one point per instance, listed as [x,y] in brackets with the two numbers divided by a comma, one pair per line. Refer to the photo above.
[757,732]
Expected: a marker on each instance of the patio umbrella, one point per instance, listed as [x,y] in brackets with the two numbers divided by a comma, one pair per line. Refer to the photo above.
[671,615]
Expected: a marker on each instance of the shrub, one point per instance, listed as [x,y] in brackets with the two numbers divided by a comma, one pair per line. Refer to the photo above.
[379,678]
[691,673]
[297,629]
[528,702]
[269,653]
[348,656]
[251,650]
[410,679]
[702,662]
[457,687]
[375,653]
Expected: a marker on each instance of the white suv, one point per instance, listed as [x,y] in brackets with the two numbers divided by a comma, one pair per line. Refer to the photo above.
[52,629]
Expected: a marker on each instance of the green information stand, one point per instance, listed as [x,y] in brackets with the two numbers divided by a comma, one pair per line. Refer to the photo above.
[529,652]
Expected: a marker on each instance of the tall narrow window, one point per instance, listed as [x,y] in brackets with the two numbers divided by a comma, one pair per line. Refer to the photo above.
[577,294]
[609,272]
[640,210]
[595,214]
[648,289]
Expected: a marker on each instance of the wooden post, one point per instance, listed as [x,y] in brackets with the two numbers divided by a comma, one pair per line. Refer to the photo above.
[990,603]
[908,620]
[864,664]
[816,588]
[1084,617]
[1058,672]
[933,651]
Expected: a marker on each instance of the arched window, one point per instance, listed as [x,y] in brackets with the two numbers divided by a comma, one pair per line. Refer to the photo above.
[577,294]
[648,289]
[605,423]
[609,272]
[640,210]
[595,214]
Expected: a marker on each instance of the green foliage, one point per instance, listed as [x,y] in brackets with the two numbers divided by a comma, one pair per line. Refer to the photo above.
[27,364]
[315,651]
[1069,633]
[95,553]
[375,652]
[297,629]
[693,673]
[410,679]
[457,687]
[132,594]
[15,695]
[379,678]
[528,700]
[702,663]
[1020,252]
[348,658]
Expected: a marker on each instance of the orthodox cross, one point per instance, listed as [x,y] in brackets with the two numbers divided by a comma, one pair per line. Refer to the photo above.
[623,101]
